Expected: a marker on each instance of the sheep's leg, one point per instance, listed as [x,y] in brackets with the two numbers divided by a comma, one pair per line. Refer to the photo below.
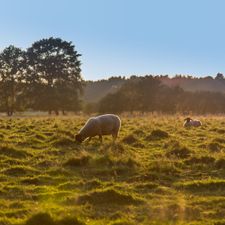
[89,139]
[100,138]
[114,137]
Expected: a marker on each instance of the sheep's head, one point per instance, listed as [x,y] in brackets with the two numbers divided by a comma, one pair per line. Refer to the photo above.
[188,119]
[79,138]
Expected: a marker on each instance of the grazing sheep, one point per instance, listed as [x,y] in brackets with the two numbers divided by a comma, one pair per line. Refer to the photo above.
[100,125]
[192,123]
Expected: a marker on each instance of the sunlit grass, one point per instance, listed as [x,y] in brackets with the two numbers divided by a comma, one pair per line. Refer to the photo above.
[157,172]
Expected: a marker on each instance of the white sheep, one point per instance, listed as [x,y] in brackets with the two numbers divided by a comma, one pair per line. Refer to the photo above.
[108,124]
[192,123]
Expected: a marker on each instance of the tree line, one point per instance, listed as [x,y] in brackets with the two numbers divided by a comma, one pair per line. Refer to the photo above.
[46,77]
[149,94]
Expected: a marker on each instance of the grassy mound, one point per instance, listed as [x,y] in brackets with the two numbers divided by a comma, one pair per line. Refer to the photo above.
[109,196]
[69,221]
[19,171]
[138,132]
[12,152]
[45,163]
[215,147]
[63,141]
[156,135]
[46,219]
[219,140]
[92,184]
[31,181]
[109,160]
[130,139]
[121,222]
[40,218]
[200,160]
[220,164]
[40,136]
[174,148]
[77,161]
[182,152]
[204,186]
[219,131]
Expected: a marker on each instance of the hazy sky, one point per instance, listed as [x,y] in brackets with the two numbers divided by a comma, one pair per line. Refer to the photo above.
[125,37]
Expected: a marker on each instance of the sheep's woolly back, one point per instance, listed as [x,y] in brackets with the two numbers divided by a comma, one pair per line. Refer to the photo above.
[196,123]
[101,125]
[90,127]
[192,123]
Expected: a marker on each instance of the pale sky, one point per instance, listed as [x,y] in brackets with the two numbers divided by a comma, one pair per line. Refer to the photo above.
[124,37]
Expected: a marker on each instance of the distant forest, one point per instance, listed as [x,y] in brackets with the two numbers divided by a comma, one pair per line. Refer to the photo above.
[95,90]
[184,94]
[47,77]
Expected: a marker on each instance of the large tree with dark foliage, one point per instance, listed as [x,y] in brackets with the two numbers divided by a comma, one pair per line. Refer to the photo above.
[53,75]
[11,77]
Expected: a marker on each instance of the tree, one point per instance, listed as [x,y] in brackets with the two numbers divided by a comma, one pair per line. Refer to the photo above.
[219,76]
[113,103]
[54,75]
[137,94]
[11,77]
[147,89]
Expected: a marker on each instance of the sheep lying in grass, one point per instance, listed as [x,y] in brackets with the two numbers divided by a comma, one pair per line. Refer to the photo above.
[192,123]
[107,124]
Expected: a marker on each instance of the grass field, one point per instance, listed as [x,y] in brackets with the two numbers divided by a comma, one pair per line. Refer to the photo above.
[156,173]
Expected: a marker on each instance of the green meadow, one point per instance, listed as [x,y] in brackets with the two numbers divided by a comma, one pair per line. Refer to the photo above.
[157,172]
